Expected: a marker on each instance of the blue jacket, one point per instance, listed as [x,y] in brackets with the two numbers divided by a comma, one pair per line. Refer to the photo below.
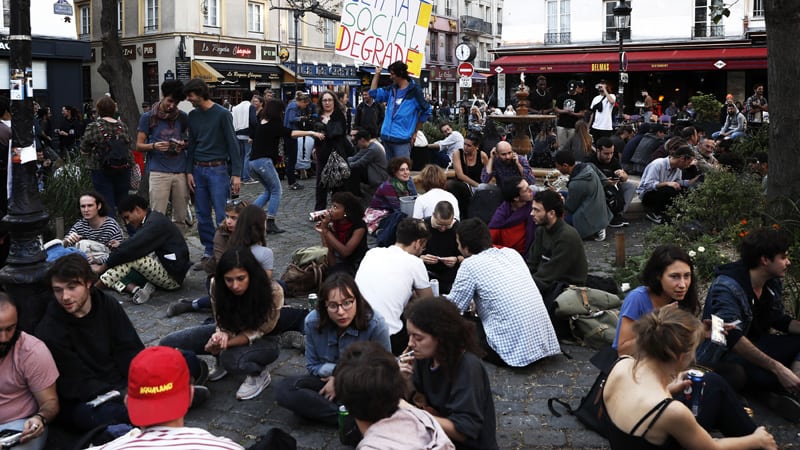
[323,347]
[400,121]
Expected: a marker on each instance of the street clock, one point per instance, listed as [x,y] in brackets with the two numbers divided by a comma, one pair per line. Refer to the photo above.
[465,52]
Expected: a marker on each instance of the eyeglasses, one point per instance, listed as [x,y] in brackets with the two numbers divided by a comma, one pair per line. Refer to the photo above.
[234,202]
[327,99]
[346,305]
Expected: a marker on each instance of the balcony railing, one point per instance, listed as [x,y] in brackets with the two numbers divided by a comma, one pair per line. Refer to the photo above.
[448,12]
[557,38]
[151,28]
[435,9]
[482,63]
[475,25]
[610,35]
[708,31]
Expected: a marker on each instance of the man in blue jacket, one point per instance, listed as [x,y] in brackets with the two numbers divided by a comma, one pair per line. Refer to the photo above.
[406,109]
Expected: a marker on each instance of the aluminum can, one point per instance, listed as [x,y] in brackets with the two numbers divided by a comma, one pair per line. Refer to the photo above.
[312,301]
[342,418]
[694,392]
[435,287]
[316,216]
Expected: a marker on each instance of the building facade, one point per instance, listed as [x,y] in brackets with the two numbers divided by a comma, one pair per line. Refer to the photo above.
[673,50]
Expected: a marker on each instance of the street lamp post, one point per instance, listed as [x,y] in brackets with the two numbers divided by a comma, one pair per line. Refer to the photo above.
[622,17]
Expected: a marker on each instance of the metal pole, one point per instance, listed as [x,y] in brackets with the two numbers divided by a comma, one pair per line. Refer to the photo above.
[297,15]
[621,89]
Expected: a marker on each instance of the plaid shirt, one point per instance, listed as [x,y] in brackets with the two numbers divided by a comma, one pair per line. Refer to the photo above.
[509,305]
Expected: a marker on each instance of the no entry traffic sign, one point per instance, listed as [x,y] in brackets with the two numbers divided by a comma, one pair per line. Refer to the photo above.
[465,69]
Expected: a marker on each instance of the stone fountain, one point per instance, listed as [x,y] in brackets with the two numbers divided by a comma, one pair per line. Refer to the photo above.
[521,141]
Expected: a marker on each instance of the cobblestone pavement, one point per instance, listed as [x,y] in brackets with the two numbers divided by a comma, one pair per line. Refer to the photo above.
[520,395]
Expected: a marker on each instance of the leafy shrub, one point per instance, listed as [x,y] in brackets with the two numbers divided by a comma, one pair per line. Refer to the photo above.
[60,195]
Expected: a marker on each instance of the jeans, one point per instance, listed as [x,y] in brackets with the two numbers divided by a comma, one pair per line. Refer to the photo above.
[397,149]
[36,444]
[782,348]
[440,158]
[659,199]
[212,188]
[82,418]
[720,408]
[113,185]
[245,146]
[301,396]
[734,135]
[263,170]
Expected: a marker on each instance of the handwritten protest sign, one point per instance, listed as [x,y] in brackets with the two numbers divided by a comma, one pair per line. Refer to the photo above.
[384,31]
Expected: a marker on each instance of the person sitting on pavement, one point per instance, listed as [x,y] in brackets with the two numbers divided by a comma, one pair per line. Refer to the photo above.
[368,165]
[579,144]
[467,164]
[341,317]
[734,126]
[748,293]
[433,181]
[668,278]
[92,341]
[389,277]
[232,210]
[251,232]
[27,380]
[643,152]
[445,376]
[453,140]
[344,233]
[371,387]
[513,329]
[248,315]
[158,397]
[504,162]
[155,255]
[662,182]
[399,184]
[95,233]
[669,147]
[557,257]
[511,224]
[586,203]
[616,180]
[441,256]
[640,391]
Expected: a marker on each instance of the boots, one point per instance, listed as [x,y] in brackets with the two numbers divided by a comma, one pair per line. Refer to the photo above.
[271,227]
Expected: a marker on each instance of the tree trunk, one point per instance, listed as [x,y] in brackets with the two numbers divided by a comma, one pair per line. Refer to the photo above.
[115,68]
[783,67]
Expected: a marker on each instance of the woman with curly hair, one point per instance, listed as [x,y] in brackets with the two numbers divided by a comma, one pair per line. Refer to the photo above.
[246,307]
[342,316]
[446,377]
[344,233]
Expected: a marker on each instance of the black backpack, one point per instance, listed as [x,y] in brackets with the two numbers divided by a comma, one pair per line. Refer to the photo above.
[114,153]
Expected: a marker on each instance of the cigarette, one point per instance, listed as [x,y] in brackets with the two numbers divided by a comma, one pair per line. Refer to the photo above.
[406,355]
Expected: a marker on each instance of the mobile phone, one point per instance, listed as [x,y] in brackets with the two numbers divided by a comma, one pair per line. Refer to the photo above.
[9,437]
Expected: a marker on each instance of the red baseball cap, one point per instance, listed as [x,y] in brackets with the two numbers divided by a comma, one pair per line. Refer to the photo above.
[158,386]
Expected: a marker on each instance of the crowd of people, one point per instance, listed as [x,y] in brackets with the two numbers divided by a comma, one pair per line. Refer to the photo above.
[462,273]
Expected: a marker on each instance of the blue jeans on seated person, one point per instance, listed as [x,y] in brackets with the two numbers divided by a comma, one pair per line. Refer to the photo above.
[263,170]
[440,158]
[301,396]
[36,444]
[734,135]
[212,188]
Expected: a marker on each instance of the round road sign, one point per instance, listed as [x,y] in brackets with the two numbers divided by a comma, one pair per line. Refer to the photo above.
[465,69]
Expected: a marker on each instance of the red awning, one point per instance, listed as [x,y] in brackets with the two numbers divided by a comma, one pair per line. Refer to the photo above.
[645,61]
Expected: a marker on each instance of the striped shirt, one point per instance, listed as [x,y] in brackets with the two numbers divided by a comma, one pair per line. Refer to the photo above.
[174,438]
[108,231]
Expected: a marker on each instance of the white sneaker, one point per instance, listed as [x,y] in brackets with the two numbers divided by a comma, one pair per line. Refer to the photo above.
[253,385]
[600,236]
[142,295]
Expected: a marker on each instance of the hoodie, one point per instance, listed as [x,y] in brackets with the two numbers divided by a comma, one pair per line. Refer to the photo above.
[407,428]
[731,297]
[587,200]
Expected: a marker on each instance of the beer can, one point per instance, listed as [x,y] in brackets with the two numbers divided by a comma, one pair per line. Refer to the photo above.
[694,392]
[435,287]
[316,216]
[312,301]
[342,418]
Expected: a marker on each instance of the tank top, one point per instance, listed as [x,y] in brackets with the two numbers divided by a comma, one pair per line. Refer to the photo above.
[474,172]
[622,440]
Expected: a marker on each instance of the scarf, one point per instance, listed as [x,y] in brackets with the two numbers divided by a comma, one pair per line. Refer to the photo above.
[400,187]
[342,230]
[157,114]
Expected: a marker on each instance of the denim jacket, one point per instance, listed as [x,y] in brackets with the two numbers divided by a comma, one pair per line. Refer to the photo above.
[323,347]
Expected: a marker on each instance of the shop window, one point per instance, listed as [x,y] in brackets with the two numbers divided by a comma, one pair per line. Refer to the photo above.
[150,78]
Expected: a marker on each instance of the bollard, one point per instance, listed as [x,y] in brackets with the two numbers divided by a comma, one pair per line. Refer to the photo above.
[619,240]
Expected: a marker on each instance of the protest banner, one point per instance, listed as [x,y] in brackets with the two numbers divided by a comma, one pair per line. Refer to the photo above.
[380,32]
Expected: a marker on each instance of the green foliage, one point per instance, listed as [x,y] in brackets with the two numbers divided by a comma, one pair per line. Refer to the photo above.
[60,196]
[706,107]
[755,143]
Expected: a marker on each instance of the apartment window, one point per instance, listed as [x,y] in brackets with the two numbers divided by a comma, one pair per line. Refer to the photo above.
[119,17]
[448,48]
[255,17]
[6,14]
[330,33]
[611,22]
[558,16]
[433,38]
[703,26]
[758,8]
[211,13]
[151,15]
[85,20]
[292,36]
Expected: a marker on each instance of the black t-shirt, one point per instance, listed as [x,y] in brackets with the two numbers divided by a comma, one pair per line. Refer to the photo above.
[540,102]
[443,244]
[607,169]
[574,103]
[266,140]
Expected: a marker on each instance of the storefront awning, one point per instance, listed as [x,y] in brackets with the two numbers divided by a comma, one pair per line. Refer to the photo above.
[201,69]
[258,72]
[638,61]
[333,81]
[291,76]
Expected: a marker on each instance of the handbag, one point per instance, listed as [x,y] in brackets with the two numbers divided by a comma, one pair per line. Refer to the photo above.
[303,280]
[335,172]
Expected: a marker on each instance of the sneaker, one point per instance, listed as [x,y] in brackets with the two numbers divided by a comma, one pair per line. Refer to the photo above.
[143,294]
[182,306]
[618,222]
[600,236]
[200,265]
[201,395]
[785,405]
[296,187]
[202,377]
[292,339]
[654,217]
[251,181]
[253,385]
[217,373]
